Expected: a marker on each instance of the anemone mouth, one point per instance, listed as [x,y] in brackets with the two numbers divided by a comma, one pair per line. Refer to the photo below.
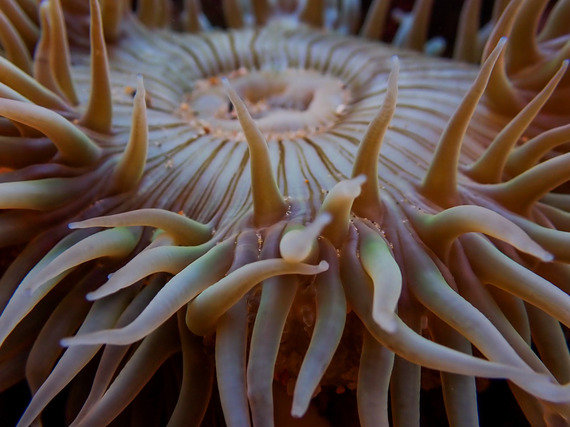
[284,103]
[246,189]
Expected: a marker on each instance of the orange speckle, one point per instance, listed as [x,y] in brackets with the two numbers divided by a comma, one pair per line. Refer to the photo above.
[214,81]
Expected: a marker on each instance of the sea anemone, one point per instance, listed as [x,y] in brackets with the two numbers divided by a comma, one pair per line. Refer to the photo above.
[257,220]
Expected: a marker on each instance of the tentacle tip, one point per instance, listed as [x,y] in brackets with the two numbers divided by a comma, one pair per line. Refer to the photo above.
[298,410]
[92,296]
[502,42]
[394,61]
[73,225]
[323,266]
[435,46]
[140,82]
[350,188]
[359,179]
[84,339]
[66,342]
[226,84]
[290,249]
[230,91]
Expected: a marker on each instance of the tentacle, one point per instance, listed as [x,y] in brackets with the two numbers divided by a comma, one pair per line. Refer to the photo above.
[500,90]
[520,193]
[184,230]
[466,47]
[205,310]
[103,314]
[490,165]
[539,74]
[59,59]
[169,259]
[112,14]
[232,13]
[525,156]
[197,380]
[338,204]
[113,355]
[556,23]
[413,30]
[9,93]
[28,87]
[113,243]
[15,48]
[470,288]
[440,182]
[298,244]
[512,306]
[25,26]
[131,165]
[374,23]
[314,13]
[379,263]
[439,231]
[231,344]
[268,203]
[12,370]
[74,146]
[329,325]
[261,11]
[376,363]
[368,204]
[43,194]
[550,342]
[153,351]
[503,27]
[558,200]
[193,19]
[31,255]
[555,241]
[405,384]
[153,14]
[276,300]
[16,153]
[99,113]
[182,288]
[432,290]
[492,266]
[423,352]
[21,302]
[65,319]
[20,226]
[524,34]
[459,391]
